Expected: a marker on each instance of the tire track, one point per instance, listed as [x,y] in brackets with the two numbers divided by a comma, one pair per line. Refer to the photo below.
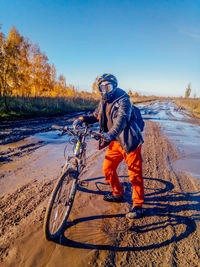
[16,207]
[156,240]
[167,236]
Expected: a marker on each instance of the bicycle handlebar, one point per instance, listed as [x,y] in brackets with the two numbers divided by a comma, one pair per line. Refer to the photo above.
[86,132]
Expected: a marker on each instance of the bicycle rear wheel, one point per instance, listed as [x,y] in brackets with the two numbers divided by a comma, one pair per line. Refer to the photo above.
[60,204]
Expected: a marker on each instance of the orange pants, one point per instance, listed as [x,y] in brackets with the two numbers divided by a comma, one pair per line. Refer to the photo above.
[114,155]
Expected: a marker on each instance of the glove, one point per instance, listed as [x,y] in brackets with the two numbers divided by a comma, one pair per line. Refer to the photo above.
[78,123]
[105,140]
[106,137]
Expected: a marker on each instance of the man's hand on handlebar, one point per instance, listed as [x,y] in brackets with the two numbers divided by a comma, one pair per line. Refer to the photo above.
[106,137]
[103,136]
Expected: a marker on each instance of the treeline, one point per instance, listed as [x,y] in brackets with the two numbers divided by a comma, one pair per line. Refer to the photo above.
[25,70]
[26,76]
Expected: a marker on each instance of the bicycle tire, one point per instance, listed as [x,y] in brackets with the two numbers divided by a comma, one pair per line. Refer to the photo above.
[60,204]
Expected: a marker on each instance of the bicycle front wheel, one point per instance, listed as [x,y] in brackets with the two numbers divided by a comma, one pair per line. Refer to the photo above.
[60,204]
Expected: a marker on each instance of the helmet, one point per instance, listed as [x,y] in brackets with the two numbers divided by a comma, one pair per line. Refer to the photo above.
[108,92]
[107,77]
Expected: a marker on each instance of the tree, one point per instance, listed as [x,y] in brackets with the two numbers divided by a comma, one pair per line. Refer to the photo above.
[25,70]
[71,91]
[136,94]
[40,72]
[95,88]
[14,47]
[2,43]
[130,92]
[53,79]
[62,87]
[188,90]
[9,65]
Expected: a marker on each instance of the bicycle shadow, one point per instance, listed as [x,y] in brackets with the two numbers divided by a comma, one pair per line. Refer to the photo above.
[127,188]
[164,209]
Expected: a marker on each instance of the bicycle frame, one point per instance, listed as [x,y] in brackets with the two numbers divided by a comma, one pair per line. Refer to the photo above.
[77,159]
[61,200]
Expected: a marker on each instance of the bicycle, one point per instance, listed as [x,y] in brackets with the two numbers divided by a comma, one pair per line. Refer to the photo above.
[63,194]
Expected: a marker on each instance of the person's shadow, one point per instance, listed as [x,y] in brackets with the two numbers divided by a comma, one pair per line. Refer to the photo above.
[159,203]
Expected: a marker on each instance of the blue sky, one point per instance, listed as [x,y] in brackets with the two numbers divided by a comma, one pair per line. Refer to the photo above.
[151,46]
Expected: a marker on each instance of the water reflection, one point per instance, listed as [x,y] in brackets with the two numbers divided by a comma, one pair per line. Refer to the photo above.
[184,135]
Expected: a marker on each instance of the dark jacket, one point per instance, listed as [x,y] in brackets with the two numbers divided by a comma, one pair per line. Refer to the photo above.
[117,121]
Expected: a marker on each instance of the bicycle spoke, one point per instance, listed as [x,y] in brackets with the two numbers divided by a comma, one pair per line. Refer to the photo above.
[62,203]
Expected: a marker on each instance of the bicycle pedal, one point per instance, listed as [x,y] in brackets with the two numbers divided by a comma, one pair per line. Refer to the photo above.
[83,183]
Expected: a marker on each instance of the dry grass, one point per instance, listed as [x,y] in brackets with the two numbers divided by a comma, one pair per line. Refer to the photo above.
[45,106]
[144,99]
[192,104]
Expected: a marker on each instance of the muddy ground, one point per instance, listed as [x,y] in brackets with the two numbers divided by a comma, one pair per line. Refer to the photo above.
[168,235]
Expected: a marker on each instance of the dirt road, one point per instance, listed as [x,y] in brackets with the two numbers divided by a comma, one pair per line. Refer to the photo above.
[168,235]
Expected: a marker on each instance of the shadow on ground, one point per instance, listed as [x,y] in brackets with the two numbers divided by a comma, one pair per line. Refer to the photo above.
[163,206]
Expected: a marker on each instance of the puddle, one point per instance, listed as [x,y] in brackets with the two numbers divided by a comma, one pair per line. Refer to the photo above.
[190,165]
[185,136]
[53,138]
[163,111]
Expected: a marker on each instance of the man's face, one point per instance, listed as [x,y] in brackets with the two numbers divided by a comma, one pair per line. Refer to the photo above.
[106,86]
[105,82]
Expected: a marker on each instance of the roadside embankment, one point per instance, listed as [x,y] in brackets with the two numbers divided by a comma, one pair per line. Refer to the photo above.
[31,107]
[191,104]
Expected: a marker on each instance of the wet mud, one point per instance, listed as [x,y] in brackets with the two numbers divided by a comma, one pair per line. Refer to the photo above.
[99,233]
[14,131]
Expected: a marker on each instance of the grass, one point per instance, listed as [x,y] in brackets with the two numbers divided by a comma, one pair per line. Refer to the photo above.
[49,106]
[192,104]
[144,99]
[19,107]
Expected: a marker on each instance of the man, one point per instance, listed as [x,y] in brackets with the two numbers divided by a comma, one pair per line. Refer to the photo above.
[117,120]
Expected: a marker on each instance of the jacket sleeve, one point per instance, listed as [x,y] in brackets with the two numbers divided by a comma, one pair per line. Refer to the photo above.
[123,116]
[93,117]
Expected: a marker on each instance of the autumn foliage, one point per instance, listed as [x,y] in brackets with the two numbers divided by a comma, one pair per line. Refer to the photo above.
[25,73]
[25,70]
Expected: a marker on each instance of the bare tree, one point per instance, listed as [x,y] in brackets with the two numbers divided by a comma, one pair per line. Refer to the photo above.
[188,90]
